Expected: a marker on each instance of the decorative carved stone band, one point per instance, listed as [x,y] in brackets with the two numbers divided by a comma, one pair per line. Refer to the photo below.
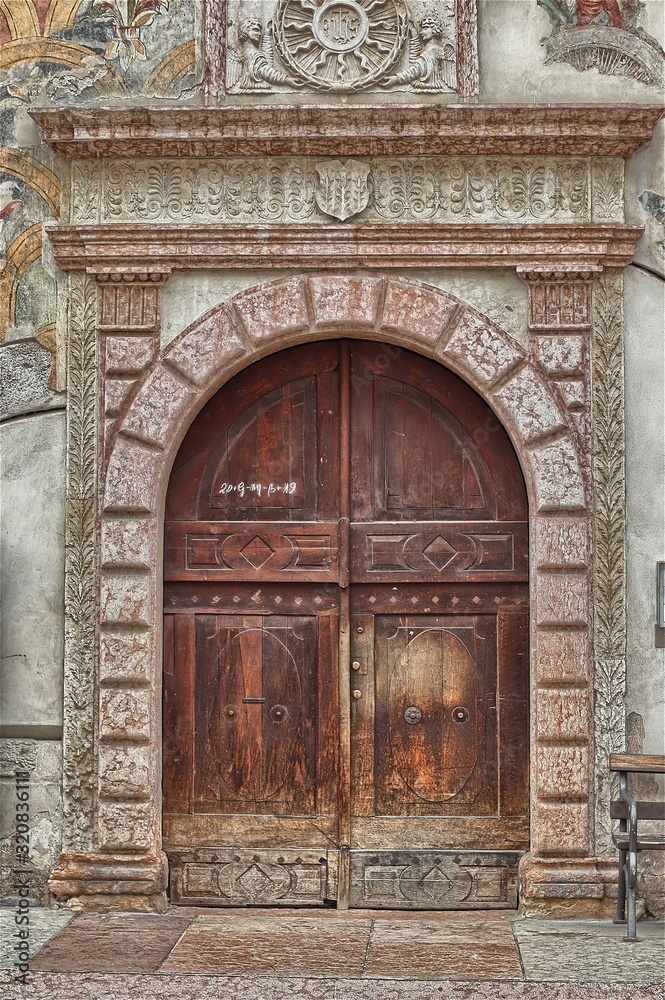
[385,130]
[351,246]
[407,189]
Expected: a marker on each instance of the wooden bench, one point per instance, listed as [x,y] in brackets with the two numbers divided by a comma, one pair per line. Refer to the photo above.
[627,839]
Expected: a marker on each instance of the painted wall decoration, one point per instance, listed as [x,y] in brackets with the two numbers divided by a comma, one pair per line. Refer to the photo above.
[605,35]
[63,52]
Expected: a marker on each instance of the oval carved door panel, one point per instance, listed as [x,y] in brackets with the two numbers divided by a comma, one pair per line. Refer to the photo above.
[432,711]
[345,639]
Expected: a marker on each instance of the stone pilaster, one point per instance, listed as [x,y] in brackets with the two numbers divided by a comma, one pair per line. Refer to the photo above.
[112,854]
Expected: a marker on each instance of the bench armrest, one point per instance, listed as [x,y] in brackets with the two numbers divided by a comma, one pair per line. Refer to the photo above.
[632,810]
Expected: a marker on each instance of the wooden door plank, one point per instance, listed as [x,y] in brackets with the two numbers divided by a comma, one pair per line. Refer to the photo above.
[178,713]
[363,715]
[444,833]
[250,830]
[513,702]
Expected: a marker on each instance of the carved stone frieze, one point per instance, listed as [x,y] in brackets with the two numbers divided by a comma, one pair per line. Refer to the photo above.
[609,540]
[80,585]
[303,189]
[347,46]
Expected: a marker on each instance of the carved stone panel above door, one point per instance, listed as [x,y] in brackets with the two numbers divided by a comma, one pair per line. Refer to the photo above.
[343,46]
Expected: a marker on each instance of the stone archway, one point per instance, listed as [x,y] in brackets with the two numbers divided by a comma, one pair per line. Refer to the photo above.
[144,441]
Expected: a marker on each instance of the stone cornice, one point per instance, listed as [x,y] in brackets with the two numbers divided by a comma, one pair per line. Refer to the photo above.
[558,247]
[359,130]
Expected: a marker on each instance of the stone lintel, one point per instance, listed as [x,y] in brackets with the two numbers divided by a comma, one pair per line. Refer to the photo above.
[561,247]
[364,130]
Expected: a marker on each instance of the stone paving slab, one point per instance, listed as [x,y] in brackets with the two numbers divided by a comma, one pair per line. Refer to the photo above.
[97,986]
[109,942]
[280,945]
[591,951]
[44,924]
[463,946]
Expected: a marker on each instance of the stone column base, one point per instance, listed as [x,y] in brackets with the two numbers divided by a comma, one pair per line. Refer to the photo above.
[112,881]
[556,887]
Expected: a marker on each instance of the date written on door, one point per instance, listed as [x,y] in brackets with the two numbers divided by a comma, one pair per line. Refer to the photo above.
[269,489]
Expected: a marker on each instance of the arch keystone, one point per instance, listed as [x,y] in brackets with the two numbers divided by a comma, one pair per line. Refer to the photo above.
[345,300]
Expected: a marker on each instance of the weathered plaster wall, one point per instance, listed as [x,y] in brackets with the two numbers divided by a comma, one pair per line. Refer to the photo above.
[42,759]
[512,58]
[32,566]
[645,493]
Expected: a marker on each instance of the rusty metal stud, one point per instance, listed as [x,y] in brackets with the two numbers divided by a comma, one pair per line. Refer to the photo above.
[412,715]
[357,694]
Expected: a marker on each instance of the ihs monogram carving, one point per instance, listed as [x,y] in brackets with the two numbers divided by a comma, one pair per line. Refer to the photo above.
[342,190]
[340,44]
[343,45]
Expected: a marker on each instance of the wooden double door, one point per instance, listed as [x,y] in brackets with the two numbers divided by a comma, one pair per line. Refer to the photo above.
[346,639]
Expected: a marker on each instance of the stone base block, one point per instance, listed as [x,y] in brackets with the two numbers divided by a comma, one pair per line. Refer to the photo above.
[112,882]
[576,889]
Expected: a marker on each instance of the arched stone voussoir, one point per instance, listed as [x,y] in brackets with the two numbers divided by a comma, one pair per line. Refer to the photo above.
[418,313]
[158,408]
[273,310]
[528,407]
[132,478]
[207,347]
[345,300]
[480,348]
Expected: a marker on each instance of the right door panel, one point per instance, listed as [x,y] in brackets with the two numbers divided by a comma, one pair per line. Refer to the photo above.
[439,628]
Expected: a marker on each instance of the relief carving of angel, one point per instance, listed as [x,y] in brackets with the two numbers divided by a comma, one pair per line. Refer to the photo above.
[251,66]
[432,60]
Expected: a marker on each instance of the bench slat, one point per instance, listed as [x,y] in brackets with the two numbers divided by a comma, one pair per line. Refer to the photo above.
[645,810]
[648,842]
[642,763]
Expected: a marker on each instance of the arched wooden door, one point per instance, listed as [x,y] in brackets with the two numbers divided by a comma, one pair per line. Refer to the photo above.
[346,639]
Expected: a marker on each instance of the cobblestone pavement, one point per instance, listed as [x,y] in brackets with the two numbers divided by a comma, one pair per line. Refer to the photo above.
[195,954]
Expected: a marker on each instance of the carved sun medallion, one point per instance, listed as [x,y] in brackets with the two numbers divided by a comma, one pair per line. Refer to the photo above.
[340,44]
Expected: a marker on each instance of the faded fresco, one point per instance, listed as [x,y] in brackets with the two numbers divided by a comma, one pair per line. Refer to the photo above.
[63,52]
[605,35]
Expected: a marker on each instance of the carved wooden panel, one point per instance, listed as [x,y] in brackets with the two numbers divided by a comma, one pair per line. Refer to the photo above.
[265,447]
[236,877]
[247,551]
[440,551]
[426,447]
[247,722]
[435,716]
[423,880]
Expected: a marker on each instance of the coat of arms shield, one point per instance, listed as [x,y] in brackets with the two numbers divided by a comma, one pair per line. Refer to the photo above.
[342,190]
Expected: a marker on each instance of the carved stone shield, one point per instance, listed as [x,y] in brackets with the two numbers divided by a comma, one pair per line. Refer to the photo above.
[342,190]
